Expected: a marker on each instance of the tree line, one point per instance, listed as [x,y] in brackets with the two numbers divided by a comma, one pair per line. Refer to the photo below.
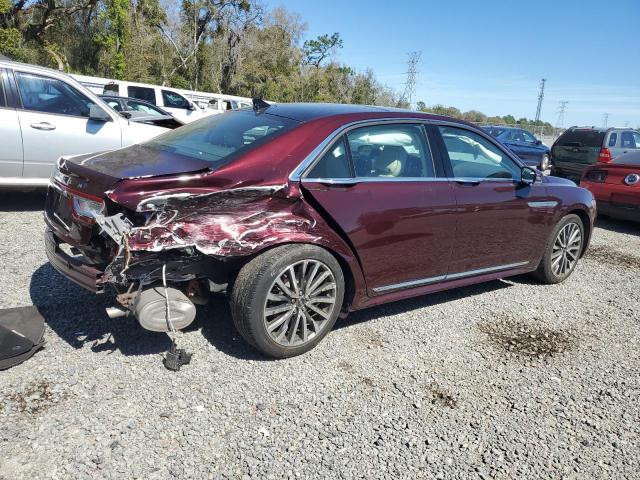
[235,47]
[230,46]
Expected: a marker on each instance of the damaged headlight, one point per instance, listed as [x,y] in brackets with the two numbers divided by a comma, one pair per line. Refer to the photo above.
[86,207]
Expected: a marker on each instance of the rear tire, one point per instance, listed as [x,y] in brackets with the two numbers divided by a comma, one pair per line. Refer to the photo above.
[562,251]
[286,300]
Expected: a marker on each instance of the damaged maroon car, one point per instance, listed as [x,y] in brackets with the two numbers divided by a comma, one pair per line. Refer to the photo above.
[303,212]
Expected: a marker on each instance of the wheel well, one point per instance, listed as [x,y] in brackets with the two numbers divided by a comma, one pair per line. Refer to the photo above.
[586,225]
[349,281]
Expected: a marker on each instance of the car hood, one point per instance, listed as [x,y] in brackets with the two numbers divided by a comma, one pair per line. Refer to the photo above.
[551,180]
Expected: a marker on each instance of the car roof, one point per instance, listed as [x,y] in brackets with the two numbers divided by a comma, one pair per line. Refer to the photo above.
[600,129]
[305,112]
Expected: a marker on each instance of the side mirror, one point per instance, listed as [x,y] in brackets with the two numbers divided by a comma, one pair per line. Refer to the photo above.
[528,176]
[538,142]
[98,114]
[191,106]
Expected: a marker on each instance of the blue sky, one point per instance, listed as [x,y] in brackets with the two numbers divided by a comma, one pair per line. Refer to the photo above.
[491,55]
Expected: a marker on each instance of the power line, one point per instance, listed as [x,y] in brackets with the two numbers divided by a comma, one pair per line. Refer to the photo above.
[540,98]
[412,77]
[562,108]
[605,120]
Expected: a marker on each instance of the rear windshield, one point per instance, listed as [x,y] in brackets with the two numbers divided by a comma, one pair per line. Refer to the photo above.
[581,138]
[220,138]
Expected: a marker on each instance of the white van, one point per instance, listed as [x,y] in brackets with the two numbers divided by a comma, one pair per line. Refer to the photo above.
[170,99]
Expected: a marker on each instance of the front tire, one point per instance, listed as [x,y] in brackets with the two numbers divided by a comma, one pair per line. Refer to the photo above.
[286,300]
[544,163]
[562,251]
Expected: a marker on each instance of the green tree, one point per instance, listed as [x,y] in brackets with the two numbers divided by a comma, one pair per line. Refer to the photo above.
[317,50]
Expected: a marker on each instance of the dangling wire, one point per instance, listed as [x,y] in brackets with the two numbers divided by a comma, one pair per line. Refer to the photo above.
[166,302]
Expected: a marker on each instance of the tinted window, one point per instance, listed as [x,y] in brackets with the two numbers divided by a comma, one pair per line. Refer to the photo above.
[142,93]
[174,100]
[636,137]
[390,151]
[111,89]
[218,137]
[581,138]
[613,138]
[473,156]
[44,94]
[627,140]
[334,163]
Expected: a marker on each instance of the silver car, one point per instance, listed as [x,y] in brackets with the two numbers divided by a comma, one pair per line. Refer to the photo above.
[45,114]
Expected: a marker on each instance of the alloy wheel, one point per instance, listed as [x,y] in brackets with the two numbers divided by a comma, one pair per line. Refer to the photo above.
[300,303]
[544,164]
[566,249]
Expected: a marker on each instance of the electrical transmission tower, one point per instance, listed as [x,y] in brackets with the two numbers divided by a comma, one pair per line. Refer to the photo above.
[412,77]
[540,98]
[605,120]
[562,108]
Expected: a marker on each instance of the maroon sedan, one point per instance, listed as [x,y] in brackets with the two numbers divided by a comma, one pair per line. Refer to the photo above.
[616,186]
[301,212]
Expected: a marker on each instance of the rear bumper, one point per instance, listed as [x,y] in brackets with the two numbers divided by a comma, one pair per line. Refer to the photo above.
[84,274]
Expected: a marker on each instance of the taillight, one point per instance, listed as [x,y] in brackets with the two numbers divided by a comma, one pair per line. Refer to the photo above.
[605,155]
[597,176]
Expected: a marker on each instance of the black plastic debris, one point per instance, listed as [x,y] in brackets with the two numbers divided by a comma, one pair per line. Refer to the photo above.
[176,357]
[21,335]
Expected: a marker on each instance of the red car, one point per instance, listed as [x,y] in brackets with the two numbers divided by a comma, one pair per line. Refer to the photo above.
[616,186]
[301,212]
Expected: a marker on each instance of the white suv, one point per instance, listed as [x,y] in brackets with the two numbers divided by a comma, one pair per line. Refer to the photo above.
[45,114]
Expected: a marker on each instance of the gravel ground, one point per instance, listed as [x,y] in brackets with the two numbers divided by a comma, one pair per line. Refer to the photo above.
[509,379]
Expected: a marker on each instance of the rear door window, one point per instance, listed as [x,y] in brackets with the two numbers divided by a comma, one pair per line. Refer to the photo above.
[390,151]
[582,138]
[333,164]
[613,139]
[473,156]
[142,93]
[627,140]
[636,137]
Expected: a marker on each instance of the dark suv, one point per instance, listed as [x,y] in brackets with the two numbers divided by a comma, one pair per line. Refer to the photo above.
[579,147]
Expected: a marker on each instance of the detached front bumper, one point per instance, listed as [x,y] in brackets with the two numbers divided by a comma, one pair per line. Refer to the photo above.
[84,274]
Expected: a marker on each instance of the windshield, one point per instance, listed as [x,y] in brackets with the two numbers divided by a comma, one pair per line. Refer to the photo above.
[217,138]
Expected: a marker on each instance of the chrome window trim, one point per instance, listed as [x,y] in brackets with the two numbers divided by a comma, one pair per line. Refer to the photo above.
[307,163]
[447,277]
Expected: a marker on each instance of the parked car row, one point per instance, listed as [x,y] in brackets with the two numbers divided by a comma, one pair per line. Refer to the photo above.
[45,114]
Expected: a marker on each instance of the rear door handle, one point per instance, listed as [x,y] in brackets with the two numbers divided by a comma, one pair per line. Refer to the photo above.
[43,126]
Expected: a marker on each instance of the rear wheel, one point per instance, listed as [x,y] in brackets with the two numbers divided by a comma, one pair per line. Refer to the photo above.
[562,251]
[287,299]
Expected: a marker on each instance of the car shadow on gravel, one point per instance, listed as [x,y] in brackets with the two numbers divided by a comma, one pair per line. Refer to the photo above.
[78,317]
[430,300]
[618,226]
[22,201]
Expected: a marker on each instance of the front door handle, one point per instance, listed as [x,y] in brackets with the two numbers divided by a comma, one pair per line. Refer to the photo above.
[43,126]
[467,182]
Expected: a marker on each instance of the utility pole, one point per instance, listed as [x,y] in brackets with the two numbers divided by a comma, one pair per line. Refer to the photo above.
[562,107]
[412,77]
[540,98]
[605,120]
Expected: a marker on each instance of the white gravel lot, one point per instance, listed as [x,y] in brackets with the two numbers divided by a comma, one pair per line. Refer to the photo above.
[505,380]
